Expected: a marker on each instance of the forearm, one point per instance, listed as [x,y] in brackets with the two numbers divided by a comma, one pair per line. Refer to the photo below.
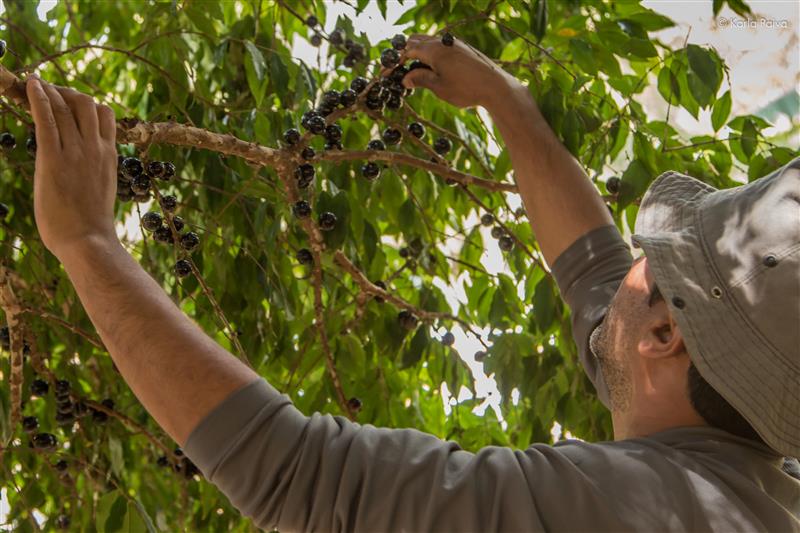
[560,199]
[178,373]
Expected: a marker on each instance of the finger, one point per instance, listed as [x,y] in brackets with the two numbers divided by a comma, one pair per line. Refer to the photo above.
[46,126]
[422,47]
[422,77]
[67,129]
[108,123]
[84,111]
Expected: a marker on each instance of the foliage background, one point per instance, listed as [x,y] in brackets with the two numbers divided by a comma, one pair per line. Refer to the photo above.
[227,67]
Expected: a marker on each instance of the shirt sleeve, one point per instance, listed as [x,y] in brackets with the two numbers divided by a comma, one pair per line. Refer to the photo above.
[292,472]
[588,274]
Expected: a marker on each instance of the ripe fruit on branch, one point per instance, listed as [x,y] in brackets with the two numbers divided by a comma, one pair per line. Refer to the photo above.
[376,144]
[392,136]
[382,285]
[62,388]
[304,256]
[370,170]
[354,404]
[394,102]
[291,136]
[39,387]
[327,221]
[65,419]
[498,232]
[448,39]
[183,268]
[177,222]
[418,64]
[390,57]
[612,185]
[333,133]
[311,21]
[448,339]
[45,441]
[487,219]
[480,355]
[506,243]
[7,141]
[316,124]
[155,169]
[132,168]
[304,171]
[358,84]
[316,39]
[417,130]
[152,221]
[189,241]
[331,98]
[332,145]
[336,37]
[141,184]
[348,98]
[307,153]
[442,145]
[168,203]
[407,320]
[163,234]
[399,42]
[30,145]
[301,209]
[30,424]
[169,171]
[2,48]
[3,211]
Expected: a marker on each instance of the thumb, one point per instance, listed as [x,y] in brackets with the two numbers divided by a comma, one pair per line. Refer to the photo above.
[422,77]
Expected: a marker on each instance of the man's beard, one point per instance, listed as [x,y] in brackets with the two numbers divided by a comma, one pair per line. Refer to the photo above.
[615,370]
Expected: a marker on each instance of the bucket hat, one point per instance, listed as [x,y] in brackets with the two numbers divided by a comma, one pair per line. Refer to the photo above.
[728,264]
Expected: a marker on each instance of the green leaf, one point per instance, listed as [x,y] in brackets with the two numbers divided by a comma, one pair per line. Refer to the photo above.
[544,303]
[256,59]
[634,183]
[413,353]
[583,55]
[115,452]
[717,6]
[704,64]
[111,511]
[651,21]
[749,138]
[538,18]
[668,86]
[721,110]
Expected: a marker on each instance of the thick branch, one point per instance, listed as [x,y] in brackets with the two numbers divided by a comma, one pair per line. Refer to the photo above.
[12,309]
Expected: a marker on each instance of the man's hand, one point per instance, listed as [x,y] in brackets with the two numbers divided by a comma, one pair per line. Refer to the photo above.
[459,74]
[74,185]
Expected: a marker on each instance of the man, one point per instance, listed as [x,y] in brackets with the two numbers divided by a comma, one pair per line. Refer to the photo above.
[694,348]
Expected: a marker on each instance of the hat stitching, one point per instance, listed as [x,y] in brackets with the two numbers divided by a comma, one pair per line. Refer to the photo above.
[761,267]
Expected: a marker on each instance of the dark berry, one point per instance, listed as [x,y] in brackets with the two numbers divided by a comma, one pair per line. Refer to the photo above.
[417,130]
[99,416]
[396,77]
[357,51]
[324,110]
[155,169]
[189,241]
[612,185]
[374,104]
[189,468]
[63,521]
[354,404]
[39,387]
[178,452]
[327,221]
[306,117]
[65,419]
[30,423]
[506,243]
[163,234]
[404,252]
[307,153]
[30,145]
[333,133]
[305,170]
[394,102]
[448,39]
[390,57]
[177,221]
[348,98]
[370,170]
[407,320]
[448,339]
[333,145]
[168,203]
[162,461]
[141,185]
[2,48]
[65,406]
[442,145]
[311,21]
[5,337]
[169,171]
[316,39]
[61,466]
[316,124]
[520,212]
[124,194]
[62,387]
[376,144]
[487,219]
[132,167]
[304,256]
[336,37]
[359,84]
[7,141]
[45,441]
[392,136]
[331,98]
[108,403]
[183,268]
[399,42]
[480,355]
[291,136]
[142,198]
[497,232]
[304,182]
[3,211]
[301,209]
[382,285]
[152,221]
[349,61]
[80,409]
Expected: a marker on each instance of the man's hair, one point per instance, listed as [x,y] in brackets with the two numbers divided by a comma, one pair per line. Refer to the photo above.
[708,403]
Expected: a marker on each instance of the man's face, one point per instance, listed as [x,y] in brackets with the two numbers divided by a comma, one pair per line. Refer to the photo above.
[615,340]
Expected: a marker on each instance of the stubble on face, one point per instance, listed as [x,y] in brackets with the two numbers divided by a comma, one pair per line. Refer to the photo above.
[613,365]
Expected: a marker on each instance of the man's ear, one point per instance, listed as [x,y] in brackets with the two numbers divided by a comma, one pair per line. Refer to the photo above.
[662,335]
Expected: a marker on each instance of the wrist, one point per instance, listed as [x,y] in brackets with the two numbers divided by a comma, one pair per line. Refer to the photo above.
[513,101]
[87,247]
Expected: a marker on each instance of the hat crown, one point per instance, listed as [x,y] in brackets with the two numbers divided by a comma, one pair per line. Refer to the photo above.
[752,237]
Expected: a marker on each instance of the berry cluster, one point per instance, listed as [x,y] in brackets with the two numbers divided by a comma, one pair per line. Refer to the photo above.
[135,179]
[504,241]
[180,464]
[8,142]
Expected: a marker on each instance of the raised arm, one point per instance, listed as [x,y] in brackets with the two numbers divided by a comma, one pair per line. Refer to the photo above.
[561,201]
[176,371]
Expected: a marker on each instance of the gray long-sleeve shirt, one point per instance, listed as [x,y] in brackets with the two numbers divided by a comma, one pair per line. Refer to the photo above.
[295,472]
